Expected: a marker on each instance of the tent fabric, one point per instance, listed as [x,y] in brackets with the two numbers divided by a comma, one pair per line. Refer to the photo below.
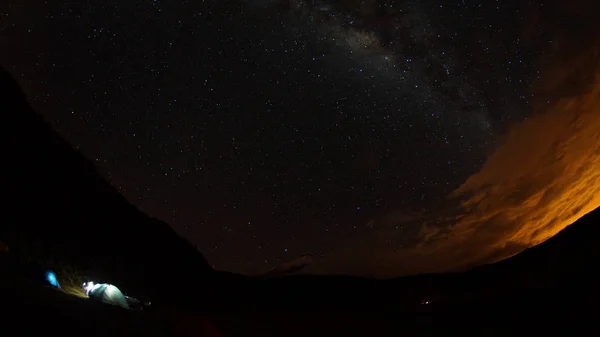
[51,279]
[107,293]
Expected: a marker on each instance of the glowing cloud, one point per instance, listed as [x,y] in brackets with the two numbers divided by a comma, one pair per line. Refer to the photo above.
[544,176]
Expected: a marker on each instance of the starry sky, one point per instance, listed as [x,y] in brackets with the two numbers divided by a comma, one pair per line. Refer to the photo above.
[354,130]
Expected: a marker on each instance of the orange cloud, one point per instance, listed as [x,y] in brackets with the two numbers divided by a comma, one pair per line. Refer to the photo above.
[544,176]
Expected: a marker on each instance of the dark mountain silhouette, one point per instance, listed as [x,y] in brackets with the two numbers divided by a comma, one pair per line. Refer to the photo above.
[550,289]
[290,267]
[563,266]
[59,210]
[574,249]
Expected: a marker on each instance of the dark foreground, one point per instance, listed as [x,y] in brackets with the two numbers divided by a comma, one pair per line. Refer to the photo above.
[532,312]
[551,289]
[564,306]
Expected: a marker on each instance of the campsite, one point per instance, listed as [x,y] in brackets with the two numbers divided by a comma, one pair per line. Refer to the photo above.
[299,168]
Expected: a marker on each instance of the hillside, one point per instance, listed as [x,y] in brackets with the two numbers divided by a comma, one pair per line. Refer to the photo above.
[59,211]
[557,265]
[574,249]
[549,289]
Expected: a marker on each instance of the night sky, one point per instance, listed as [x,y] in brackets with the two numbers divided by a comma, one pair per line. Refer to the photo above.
[263,130]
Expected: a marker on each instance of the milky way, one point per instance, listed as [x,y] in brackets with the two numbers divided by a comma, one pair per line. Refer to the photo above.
[263,130]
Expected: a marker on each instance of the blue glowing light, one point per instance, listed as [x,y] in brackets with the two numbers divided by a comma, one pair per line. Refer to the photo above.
[51,278]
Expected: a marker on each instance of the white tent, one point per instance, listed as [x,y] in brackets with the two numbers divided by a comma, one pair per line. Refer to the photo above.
[107,293]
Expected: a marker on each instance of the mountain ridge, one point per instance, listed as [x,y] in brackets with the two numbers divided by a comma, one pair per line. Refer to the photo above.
[61,210]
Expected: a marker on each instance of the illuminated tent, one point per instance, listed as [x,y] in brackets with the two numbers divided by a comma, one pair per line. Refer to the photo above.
[107,293]
[51,278]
